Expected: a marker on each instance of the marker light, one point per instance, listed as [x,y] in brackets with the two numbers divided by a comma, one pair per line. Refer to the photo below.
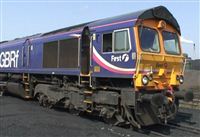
[177,77]
[145,80]
[181,79]
[161,24]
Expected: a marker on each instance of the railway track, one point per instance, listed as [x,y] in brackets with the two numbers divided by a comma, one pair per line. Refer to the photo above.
[196,96]
[172,129]
[195,104]
[156,133]
[189,129]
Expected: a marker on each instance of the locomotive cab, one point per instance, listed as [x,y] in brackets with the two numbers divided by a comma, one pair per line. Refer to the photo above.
[160,63]
[159,71]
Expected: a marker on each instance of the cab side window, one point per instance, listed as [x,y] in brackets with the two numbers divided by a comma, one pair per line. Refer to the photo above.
[121,41]
[118,41]
[107,42]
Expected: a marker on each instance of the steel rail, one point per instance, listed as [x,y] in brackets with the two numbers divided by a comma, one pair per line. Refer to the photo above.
[150,131]
[184,127]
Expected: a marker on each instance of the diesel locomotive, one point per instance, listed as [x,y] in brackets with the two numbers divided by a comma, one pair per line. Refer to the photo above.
[126,69]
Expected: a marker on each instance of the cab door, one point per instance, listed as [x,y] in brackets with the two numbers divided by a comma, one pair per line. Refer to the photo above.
[85,51]
[26,54]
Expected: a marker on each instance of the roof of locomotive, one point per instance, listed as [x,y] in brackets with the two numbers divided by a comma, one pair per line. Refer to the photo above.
[159,12]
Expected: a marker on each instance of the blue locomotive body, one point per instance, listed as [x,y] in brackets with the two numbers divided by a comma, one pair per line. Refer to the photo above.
[30,54]
[126,69]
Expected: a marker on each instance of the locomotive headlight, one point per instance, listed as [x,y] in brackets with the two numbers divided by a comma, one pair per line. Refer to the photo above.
[145,80]
[181,79]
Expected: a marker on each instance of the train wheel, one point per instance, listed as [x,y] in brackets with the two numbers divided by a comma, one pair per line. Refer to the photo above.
[73,110]
[45,101]
[50,105]
[40,99]
[111,121]
[1,93]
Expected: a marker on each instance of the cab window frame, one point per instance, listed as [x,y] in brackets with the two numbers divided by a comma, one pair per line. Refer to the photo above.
[113,41]
[158,34]
[102,44]
[179,46]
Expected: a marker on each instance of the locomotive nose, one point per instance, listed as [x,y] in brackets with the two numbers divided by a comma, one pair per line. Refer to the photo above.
[155,99]
[159,100]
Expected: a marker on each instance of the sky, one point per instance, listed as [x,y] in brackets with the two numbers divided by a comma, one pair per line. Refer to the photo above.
[19,18]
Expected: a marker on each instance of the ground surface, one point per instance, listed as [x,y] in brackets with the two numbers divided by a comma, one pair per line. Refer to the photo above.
[20,118]
[26,118]
[191,81]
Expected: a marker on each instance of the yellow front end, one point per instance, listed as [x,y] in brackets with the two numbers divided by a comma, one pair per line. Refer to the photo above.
[156,68]
[161,70]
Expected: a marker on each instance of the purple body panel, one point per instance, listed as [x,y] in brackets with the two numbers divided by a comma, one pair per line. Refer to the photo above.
[30,61]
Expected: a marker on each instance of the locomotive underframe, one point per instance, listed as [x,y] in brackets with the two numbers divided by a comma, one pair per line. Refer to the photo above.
[118,105]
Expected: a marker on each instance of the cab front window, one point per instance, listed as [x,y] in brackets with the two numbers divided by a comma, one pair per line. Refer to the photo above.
[149,41]
[171,43]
